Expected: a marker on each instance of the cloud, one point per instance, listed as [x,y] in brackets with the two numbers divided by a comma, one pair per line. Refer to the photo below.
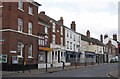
[93,15]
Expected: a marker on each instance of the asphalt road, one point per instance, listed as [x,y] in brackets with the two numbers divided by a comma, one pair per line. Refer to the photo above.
[92,71]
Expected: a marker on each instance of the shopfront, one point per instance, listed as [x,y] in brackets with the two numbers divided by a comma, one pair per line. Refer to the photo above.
[44,56]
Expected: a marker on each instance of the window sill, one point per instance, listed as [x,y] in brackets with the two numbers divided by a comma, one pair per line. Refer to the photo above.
[30,14]
[21,9]
[20,57]
[30,57]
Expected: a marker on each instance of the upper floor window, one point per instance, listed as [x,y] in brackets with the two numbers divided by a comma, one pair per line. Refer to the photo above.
[61,30]
[71,45]
[19,49]
[46,41]
[67,33]
[74,37]
[67,44]
[53,39]
[46,30]
[70,35]
[53,27]
[41,41]
[30,9]
[30,27]
[20,24]
[61,41]
[20,5]
[30,51]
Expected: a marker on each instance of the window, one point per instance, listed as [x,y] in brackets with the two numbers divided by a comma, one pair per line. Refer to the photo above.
[67,44]
[46,30]
[53,27]
[70,35]
[41,41]
[46,41]
[74,37]
[19,51]
[67,33]
[30,51]
[53,39]
[70,45]
[61,30]
[30,28]
[20,24]
[74,47]
[61,41]
[30,9]
[20,5]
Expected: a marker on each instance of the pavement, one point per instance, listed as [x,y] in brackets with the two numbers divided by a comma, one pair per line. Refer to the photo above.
[49,70]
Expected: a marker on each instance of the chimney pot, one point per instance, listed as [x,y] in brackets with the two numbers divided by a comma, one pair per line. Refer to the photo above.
[115,37]
[73,26]
[42,12]
[105,36]
[88,33]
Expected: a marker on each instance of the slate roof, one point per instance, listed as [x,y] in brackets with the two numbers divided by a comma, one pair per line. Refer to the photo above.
[42,21]
[83,37]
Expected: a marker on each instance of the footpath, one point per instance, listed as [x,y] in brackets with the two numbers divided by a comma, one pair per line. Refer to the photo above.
[49,70]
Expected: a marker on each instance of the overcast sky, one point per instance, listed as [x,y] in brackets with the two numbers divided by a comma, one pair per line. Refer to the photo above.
[98,16]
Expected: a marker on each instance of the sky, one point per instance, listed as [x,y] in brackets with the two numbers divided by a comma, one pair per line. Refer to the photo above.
[97,16]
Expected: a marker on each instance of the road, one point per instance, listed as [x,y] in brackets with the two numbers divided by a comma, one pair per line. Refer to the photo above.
[91,71]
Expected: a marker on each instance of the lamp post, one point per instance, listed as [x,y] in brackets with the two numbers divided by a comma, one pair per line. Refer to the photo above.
[24,63]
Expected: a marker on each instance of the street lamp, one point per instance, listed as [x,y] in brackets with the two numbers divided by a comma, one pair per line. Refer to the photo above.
[24,63]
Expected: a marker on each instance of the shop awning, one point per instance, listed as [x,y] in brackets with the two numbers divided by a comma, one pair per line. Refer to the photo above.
[45,49]
[89,53]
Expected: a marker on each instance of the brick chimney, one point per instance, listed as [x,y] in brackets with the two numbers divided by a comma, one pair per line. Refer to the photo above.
[105,36]
[101,38]
[109,41]
[73,26]
[42,12]
[88,33]
[61,20]
[115,37]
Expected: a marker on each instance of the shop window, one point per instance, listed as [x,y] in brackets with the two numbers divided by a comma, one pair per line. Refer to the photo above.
[30,51]
[19,50]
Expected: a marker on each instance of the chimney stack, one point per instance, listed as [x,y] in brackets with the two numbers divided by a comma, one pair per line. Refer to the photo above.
[115,37]
[101,38]
[61,20]
[106,35]
[73,26]
[88,33]
[42,12]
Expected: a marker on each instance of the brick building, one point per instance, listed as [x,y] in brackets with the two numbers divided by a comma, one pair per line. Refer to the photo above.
[22,32]
[57,42]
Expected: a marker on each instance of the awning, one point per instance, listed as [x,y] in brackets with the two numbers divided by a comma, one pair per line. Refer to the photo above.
[89,53]
[45,49]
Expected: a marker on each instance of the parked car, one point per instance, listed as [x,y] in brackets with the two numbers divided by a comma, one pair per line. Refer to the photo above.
[112,60]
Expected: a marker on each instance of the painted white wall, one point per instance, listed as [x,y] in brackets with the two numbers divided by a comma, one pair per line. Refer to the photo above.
[67,38]
[98,49]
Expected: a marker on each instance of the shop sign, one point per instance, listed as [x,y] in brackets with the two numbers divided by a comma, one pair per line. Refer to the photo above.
[14,60]
[4,58]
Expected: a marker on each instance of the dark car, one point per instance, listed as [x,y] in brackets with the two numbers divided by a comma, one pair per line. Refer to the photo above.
[112,61]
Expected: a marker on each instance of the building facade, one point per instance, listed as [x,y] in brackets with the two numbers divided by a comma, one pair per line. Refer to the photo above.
[72,42]
[19,24]
[57,42]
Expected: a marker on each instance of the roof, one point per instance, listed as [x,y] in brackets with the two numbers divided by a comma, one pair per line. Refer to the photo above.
[37,3]
[93,40]
[42,21]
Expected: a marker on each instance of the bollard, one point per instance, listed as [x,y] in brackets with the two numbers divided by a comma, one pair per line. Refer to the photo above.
[63,64]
